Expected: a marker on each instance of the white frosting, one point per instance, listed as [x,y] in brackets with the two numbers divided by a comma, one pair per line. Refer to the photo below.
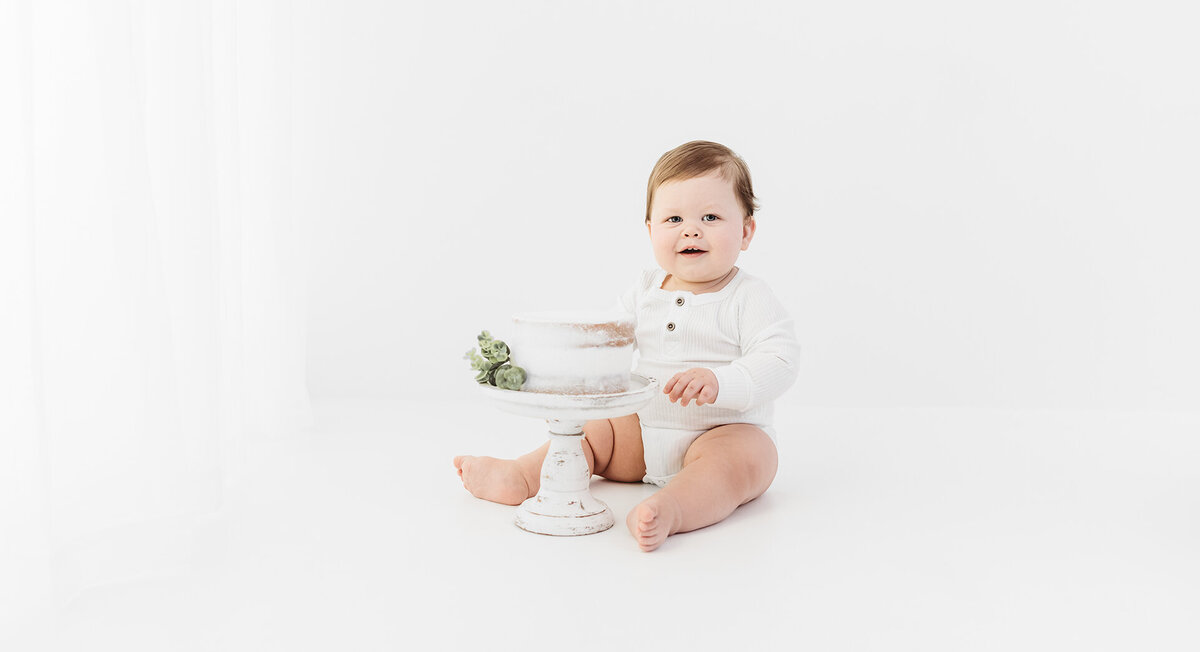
[574,352]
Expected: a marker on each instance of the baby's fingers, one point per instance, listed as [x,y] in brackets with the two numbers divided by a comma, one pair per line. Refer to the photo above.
[692,391]
[670,384]
[681,383]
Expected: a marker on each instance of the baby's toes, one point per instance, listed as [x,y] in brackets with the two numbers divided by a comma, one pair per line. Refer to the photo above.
[646,515]
[465,464]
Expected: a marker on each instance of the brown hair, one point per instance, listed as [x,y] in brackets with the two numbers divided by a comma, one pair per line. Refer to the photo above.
[696,159]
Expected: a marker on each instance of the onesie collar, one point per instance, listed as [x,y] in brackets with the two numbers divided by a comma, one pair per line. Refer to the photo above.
[658,292]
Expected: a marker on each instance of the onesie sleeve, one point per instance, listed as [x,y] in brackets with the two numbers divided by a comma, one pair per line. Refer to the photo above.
[628,301]
[770,352]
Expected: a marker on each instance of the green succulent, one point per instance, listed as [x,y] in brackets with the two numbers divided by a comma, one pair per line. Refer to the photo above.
[510,377]
[484,338]
[477,361]
[497,352]
[493,366]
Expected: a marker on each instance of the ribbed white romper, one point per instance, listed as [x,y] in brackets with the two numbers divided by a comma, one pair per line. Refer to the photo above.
[741,332]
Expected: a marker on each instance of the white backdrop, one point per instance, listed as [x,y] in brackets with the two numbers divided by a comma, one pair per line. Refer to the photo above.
[205,205]
[962,204]
[151,284]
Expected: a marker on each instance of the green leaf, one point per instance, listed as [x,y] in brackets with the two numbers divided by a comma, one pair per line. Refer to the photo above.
[493,368]
[496,351]
[510,377]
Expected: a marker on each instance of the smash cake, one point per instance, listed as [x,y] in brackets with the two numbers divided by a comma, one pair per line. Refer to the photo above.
[566,352]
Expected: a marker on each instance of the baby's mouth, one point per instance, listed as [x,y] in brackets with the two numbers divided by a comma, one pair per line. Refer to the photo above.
[692,251]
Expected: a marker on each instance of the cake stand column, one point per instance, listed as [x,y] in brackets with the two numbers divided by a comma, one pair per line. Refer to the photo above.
[564,505]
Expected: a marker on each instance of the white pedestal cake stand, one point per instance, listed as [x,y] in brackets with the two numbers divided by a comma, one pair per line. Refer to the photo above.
[563,505]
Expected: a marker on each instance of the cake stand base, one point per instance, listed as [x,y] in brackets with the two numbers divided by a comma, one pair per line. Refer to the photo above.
[563,505]
[589,519]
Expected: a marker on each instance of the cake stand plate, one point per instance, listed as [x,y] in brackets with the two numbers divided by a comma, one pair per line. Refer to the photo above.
[564,505]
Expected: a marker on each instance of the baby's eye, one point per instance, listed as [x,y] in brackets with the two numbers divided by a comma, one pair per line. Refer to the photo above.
[674,218]
[705,218]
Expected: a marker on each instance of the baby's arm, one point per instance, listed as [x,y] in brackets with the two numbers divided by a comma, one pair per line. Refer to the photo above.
[769,354]
[627,302]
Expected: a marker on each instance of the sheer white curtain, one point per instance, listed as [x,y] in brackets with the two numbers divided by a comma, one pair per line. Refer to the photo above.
[151,281]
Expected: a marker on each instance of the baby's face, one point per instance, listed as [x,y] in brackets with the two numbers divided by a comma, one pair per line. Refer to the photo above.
[697,230]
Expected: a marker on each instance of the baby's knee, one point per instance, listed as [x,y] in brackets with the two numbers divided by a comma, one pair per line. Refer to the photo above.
[627,460]
[746,454]
[761,463]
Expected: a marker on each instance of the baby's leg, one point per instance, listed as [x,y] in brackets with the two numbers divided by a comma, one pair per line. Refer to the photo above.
[725,467]
[613,448]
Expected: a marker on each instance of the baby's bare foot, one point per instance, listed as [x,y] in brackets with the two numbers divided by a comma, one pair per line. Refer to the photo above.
[651,521]
[499,481]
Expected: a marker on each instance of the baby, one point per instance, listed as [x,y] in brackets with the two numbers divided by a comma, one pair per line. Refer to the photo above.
[719,337]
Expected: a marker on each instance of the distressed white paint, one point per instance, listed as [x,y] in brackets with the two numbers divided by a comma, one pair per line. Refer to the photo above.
[574,353]
[564,505]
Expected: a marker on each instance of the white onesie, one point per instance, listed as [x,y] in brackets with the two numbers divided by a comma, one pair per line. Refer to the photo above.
[741,332]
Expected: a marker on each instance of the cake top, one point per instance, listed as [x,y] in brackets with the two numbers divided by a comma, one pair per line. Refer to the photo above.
[597,327]
[580,317]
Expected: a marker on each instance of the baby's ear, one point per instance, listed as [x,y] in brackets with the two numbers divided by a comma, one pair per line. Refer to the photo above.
[749,226]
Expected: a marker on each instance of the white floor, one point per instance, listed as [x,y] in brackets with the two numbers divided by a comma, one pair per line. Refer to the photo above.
[885,530]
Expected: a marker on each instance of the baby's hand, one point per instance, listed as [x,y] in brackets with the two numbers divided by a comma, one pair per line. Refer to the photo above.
[698,383]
